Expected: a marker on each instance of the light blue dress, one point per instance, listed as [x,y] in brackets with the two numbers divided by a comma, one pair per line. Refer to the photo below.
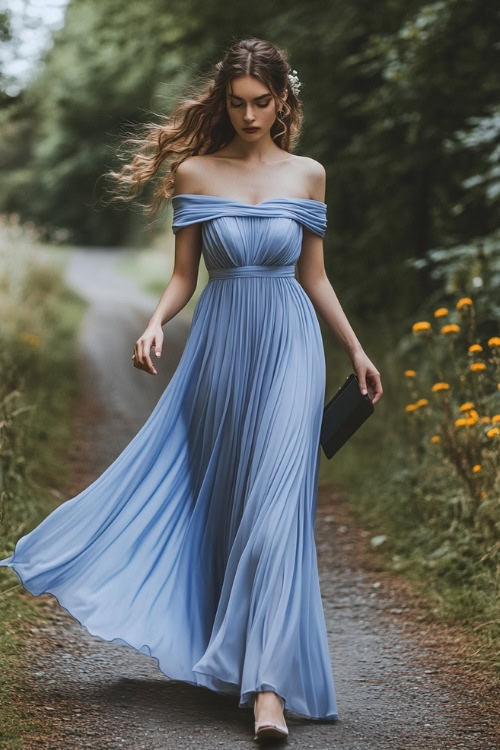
[196,545]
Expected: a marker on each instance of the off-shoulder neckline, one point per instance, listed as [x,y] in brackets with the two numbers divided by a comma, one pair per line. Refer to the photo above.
[248,205]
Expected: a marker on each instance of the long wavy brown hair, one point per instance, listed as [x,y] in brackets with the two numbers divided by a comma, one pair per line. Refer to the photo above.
[200,123]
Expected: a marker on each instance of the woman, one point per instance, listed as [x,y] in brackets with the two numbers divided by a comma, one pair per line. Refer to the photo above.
[196,545]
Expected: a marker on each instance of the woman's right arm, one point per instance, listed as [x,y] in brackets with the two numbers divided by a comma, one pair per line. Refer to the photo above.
[179,289]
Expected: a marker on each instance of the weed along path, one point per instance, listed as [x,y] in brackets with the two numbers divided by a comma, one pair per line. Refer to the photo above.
[402,681]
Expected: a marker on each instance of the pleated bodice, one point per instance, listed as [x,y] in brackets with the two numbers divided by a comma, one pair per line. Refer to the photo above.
[237,234]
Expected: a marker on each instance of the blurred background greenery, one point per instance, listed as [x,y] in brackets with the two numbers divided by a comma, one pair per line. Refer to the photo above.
[401,105]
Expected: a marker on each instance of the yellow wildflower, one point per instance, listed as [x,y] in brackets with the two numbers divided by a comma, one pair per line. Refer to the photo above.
[493,431]
[463,301]
[411,407]
[460,422]
[494,341]
[477,366]
[450,328]
[410,373]
[422,325]
[495,418]
[476,467]
[435,439]
[475,348]
[468,405]
[440,387]
[422,402]
[440,312]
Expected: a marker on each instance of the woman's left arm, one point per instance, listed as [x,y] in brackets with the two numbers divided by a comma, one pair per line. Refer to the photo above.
[315,282]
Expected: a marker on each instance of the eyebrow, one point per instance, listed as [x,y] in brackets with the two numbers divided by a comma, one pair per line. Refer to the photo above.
[262,96]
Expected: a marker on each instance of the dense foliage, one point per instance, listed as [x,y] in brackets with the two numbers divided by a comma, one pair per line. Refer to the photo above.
[401,106]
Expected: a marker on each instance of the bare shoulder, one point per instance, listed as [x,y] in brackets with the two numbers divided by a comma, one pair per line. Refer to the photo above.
[314,176]
[190,175]
[313,167]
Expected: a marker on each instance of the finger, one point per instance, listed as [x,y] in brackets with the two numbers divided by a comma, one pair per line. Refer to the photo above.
[157,347]
[139,360]
[138,351]
[140,356]
[378,390]
[148,364]
[362,382]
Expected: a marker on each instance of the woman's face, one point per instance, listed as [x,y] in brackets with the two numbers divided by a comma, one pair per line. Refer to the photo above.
[250,104]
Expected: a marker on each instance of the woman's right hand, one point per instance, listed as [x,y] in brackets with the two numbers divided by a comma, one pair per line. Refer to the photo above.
[152,337]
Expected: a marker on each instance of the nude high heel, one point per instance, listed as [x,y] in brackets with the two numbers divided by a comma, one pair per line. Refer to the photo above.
[266,729]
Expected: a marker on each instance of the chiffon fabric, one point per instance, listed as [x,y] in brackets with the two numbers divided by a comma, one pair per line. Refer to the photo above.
[196,545]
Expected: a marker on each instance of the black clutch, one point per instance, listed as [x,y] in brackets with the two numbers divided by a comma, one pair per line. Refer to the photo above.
[343,414]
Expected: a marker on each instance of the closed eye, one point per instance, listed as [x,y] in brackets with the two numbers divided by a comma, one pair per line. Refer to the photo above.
[262,106]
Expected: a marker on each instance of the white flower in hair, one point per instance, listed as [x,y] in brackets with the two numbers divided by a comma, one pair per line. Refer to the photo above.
[294,82]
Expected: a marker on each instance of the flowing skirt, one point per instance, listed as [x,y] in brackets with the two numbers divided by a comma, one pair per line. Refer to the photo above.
[196,545]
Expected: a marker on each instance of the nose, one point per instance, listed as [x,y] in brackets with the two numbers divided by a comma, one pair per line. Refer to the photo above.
[248,116]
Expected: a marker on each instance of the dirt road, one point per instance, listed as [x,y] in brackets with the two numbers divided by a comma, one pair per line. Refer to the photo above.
[401,682]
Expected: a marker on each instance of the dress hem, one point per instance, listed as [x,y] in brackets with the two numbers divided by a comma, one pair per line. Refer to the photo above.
[246,700]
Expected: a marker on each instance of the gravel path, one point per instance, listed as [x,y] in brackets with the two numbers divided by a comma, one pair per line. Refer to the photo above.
[402,680]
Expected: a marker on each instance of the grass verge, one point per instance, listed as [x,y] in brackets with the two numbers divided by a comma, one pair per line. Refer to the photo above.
[408,506]
[39,390]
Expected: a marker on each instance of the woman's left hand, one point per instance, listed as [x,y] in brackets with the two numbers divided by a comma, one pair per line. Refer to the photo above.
[368,376]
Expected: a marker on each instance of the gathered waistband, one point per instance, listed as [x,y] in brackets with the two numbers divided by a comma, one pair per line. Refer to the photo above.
[242,271]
